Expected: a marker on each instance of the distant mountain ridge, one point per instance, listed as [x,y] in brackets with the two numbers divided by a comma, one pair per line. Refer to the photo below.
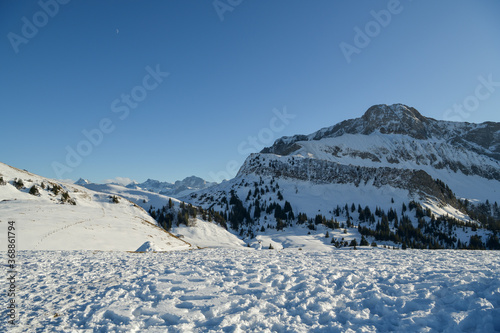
[82,182]
[185,186]
[179,187]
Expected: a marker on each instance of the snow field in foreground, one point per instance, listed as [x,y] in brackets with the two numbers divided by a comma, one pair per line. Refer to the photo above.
[244,290]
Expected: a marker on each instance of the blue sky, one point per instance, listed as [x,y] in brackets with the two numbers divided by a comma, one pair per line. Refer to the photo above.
[239,76]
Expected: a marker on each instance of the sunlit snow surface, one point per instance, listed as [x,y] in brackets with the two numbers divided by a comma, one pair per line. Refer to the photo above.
[246,290]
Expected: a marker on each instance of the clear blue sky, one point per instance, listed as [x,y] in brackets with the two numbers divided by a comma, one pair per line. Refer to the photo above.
[229,68]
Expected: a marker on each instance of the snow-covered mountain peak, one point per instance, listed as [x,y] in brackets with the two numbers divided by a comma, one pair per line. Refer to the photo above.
[399,112]
[396,119]
[384,119]
[82,182]
[193,182]
[403,122]
[180,187]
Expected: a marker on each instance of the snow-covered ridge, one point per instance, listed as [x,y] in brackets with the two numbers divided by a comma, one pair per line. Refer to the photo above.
[180,187]
[51,215]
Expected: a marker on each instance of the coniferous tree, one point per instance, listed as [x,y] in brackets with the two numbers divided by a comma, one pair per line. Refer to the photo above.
[257,210]
[279,224]
[302,218]
[475,243]
[18,183]
[34,190]
[493,243]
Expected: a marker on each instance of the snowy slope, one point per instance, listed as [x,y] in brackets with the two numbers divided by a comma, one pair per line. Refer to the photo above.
[141,197]
[70,217]
[227,290]
[207,234]
[312,199]
[200,233]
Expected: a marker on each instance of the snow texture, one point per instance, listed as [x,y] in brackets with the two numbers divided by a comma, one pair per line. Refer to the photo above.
[229,290]
[207,234]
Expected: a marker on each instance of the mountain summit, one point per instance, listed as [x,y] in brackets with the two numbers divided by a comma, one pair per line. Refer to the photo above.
[82,182]
[400,119]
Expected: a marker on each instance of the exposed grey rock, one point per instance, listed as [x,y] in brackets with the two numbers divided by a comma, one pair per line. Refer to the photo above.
[418,182]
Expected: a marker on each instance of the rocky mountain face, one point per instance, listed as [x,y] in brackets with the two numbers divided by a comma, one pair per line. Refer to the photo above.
[390,158]
[483,139]
[399,137]
[419,183]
